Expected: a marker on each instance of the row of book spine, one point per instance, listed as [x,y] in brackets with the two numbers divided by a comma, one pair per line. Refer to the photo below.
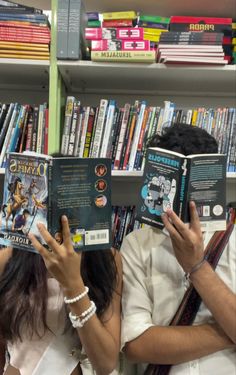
[124,221]
[23,128]
[122,133]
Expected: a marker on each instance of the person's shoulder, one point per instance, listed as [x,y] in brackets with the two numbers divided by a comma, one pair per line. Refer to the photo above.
[147,233]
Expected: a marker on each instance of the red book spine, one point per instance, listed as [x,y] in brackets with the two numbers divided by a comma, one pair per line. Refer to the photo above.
[19,30]
[117,23]
[24,39]
[211,20]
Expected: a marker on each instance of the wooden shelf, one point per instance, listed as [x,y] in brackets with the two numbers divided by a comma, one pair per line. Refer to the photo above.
[20,74]
[148,79]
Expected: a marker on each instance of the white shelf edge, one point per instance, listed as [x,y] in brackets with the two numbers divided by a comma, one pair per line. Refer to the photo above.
[25,62]
[120,65]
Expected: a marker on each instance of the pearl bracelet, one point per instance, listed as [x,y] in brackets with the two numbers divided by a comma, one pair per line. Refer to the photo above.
[77,298]
[79,321]
[194,269]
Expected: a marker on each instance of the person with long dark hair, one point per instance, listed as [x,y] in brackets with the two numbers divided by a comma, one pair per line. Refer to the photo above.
[59,309]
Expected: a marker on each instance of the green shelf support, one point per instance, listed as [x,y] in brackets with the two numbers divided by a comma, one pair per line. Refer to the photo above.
[56,89]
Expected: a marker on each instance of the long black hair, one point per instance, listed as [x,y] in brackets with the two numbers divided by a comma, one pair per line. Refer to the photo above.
[24,291]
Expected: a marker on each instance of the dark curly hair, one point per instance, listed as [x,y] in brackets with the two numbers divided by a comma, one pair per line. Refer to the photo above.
[185,139]
[24,290]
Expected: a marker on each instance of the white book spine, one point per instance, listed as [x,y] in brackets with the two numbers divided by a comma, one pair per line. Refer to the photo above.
[8,134]
[108,129]
[40,129]
[67,124]
[99,128]
[136,136]
[73,129]
[84,132]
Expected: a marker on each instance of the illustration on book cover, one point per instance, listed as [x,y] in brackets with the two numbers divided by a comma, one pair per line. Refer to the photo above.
[24,199]
[158,193]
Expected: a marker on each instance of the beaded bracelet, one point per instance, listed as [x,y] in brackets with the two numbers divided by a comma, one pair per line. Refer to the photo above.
[194,269]
[77,298]
[79,321]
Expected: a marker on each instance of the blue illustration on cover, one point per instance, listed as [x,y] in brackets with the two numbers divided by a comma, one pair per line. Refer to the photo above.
[158,193]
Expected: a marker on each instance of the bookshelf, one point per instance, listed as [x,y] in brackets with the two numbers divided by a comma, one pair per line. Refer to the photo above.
[184,85]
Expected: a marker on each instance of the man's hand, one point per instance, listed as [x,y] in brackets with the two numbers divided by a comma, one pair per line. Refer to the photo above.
[186,239]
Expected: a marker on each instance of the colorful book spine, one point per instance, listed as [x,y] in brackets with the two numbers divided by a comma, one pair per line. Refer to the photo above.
[99,128]
[67,124]
[120,45]
[154,19]
[114,33]
[119,15]
[117,23]
[122,136]
[124,56]
[89,132]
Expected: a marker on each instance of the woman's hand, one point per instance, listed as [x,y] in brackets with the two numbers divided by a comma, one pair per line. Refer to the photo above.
[187,240]
[62,261]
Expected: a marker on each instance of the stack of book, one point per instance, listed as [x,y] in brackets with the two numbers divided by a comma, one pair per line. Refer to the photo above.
[153,27]
[23,128]
[197,40]
[24,32]
[120,40]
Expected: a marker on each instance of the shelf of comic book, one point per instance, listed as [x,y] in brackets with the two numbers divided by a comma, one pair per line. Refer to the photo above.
[149,79]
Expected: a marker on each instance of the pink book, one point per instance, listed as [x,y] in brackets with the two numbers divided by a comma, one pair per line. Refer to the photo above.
[114,33]
[120,45]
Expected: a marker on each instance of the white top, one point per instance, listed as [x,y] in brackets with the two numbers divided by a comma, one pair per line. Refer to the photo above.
[153,287]
[56,353]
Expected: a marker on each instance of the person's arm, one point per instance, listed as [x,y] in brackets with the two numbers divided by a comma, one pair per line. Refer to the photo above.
[188,246]
[99,337]
[174,345]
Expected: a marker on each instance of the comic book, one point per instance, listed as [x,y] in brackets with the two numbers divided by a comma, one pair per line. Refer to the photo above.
[40,188]
[171,180]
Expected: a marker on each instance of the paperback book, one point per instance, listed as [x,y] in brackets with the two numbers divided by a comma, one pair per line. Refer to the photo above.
[171,180]
[40,188]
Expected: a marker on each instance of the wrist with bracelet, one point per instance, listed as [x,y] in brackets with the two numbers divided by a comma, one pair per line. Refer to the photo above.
[78,321]
[195,268]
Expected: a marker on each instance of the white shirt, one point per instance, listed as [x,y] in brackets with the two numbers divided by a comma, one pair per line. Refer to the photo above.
[153,287]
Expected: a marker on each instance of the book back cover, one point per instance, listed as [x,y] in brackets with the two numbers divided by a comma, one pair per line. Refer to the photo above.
[80,188]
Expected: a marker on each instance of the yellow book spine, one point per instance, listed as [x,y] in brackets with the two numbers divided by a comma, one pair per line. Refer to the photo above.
[26,48]
[20,44]
[234,25]
[194,117]
[28,57]
[130,15]
[234,49]
[148,30]
[151,38]
[23,52]
[234,41]
[124,56]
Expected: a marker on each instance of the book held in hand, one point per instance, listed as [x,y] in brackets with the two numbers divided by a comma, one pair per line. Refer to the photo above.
[171,180]
[40,188]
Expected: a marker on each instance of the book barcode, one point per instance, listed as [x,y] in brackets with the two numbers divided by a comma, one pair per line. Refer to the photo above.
[96,237]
